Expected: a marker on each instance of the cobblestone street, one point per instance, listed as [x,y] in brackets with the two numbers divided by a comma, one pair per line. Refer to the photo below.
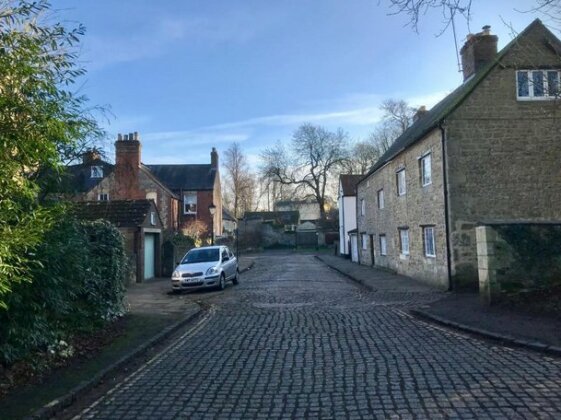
[297,340]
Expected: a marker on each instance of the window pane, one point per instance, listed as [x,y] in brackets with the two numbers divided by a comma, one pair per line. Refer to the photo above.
[429,241]
[426,168]
[401,189]
[537,81]
[523,83]
[553,83]
[404,236]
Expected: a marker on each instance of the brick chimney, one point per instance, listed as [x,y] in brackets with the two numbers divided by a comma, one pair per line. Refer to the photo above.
[214,159]
[127,167]
[478,50]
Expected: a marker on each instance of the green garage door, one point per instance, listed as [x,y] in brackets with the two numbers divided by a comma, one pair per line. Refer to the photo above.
[149,255]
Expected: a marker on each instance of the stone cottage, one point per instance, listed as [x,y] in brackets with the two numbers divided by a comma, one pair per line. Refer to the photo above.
[489,151]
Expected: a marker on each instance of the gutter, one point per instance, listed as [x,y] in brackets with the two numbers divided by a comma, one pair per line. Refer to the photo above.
[443,137]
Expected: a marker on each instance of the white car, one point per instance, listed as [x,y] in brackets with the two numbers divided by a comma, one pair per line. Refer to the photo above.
[210,266]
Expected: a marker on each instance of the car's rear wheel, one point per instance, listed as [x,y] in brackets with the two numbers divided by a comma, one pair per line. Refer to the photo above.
[236,279]
[222,283]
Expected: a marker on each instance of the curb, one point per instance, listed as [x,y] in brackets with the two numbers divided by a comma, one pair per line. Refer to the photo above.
[249,267]
[533,345]
[55,406]
[347,275]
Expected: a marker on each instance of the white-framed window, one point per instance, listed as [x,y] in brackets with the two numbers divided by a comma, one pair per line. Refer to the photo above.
[190,203]
[426,169]
[362,207]
[364,241]
[428,241]
[383,245]
[404,241]
[103,197]
[535,85]
[381,198]
[400,180]
[153,218]
[96,171]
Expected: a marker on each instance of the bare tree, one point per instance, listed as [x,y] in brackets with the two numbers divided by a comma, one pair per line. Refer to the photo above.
[414,9]
[240,182]
[362,156]
[451,9]
[314,155]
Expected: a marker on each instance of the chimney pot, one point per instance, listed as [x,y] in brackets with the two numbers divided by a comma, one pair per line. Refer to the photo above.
[486,30]
[136,135]
[131,136]
[119,137]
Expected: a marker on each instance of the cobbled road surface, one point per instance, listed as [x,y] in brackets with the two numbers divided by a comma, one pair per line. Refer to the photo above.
[297,340]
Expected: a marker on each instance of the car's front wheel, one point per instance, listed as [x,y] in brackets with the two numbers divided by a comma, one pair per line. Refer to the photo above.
[222,283]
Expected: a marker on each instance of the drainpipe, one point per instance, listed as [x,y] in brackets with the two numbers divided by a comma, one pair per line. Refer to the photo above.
[443,129]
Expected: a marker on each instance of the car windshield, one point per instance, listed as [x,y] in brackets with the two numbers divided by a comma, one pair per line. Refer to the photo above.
[201,255]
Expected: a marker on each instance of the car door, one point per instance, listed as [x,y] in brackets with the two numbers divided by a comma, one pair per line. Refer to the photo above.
[226,263]
[234,260]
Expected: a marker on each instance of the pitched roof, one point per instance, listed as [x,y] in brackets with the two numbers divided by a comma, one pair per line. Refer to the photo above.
[441,110]
[348,184]
[122,213]
[77,178]
[185,177]
[226,215]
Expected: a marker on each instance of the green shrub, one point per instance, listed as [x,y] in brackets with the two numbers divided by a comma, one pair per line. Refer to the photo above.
[77,285]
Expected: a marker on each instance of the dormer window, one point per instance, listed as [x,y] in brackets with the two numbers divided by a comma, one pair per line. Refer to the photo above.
[536,85]
[97,171]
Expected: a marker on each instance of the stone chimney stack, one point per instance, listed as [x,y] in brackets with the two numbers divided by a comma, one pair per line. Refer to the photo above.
[214,159]
[90,156]
[421,111]
[127,167]
[478,50]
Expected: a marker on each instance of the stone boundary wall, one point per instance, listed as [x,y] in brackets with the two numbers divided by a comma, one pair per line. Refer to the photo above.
[516,257]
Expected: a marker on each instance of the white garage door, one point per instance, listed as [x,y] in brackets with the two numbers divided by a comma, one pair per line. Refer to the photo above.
[354,248]
[149,255]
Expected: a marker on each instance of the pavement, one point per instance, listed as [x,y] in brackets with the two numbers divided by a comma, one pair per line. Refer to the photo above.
[296,339]
[462,311]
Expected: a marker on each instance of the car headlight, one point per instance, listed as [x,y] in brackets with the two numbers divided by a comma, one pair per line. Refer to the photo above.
[176,274]
[211,271]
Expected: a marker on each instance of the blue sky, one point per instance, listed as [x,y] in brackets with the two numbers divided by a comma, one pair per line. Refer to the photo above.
[189,74]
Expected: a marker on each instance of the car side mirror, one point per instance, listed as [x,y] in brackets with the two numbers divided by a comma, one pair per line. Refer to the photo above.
[226,259]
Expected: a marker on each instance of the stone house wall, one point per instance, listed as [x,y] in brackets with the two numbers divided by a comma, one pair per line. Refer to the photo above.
[420,206]
[503,156]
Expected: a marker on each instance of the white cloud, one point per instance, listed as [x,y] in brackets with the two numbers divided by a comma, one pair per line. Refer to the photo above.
[260,132]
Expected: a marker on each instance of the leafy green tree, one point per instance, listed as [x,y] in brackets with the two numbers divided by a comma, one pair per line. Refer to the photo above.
[42,121]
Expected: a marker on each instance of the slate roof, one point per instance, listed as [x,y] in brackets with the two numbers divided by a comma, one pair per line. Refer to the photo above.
[185,177]
[122,213]
[77,178]
[278,217]
[226,215]
[348,183]
[441,110]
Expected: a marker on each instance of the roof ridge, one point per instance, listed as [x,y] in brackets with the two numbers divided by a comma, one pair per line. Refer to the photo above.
[429,122]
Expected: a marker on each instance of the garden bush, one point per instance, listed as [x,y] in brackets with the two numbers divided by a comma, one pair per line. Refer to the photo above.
[77,286]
